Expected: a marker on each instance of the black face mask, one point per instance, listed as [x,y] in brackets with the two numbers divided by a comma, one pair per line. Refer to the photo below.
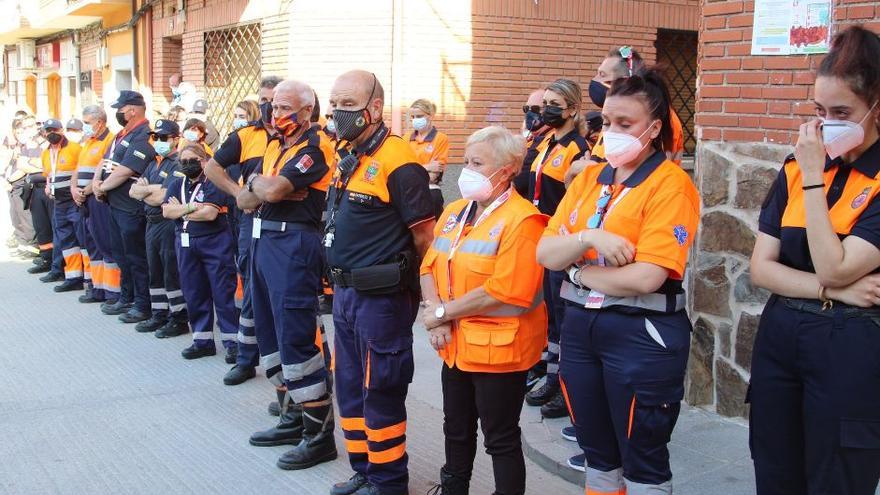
[598,91]
[54,138]
[553,116]
[350,124]
[534,121]
[191,168]
[120,117]
[266,112]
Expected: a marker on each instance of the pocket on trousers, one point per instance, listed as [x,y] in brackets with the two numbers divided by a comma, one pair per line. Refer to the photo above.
[301,302]
[389,363]
[859,433]
[655,412]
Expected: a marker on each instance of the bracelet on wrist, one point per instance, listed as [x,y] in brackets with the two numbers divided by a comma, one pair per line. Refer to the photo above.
[826,302]
[814,186]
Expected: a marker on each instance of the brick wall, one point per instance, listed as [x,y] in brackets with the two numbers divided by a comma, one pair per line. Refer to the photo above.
[748,111]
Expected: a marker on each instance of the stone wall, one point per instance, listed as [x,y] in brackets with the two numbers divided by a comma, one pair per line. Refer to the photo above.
[733,179]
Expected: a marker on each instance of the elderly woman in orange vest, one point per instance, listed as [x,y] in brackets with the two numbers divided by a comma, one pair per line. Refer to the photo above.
[484,310]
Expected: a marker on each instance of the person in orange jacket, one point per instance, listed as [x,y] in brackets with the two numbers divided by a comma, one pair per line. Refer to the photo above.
[430,146]
[483,292]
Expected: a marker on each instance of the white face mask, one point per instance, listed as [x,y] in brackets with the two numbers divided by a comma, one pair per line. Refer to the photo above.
[238,123]
[841,136]
[475,186]
[420,123]
[621,148]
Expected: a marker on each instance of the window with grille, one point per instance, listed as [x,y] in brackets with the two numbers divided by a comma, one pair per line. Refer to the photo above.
[232,70]
[677,54]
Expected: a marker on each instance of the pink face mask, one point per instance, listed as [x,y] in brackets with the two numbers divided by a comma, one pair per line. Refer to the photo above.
[622,148]
[841,136]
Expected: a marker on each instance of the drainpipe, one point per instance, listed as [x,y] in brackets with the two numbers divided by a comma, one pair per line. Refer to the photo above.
[134,48]
[75,37]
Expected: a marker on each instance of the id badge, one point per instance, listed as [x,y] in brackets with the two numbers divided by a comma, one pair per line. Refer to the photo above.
[257,228]
[594,300]
[52,189]
[184,239]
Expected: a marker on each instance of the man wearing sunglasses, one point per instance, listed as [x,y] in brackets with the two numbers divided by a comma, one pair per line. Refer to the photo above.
[169,318]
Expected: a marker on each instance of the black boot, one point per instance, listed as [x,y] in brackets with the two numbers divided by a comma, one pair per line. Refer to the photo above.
[555,407]
[351,486]
[451,485]
[274,408]
[318,444]
[288,431]
[544,394]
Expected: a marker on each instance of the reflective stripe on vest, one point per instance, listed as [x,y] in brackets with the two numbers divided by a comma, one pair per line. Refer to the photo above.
[509,310]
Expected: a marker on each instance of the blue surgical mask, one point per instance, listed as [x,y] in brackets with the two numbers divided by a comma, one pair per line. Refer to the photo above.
[88,130]
[163,148]
[191,135]
[175,92]
[419,123]
[238,123]
[331,126]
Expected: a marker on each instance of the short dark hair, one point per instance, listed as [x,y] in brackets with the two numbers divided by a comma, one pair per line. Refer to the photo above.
[650,86]
[269,82]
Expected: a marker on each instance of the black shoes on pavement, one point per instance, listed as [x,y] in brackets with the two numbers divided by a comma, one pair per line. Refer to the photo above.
[288,431]
[193,352]
[69,286]
[52,277]
[172,329]
[231,354]
[89,297]
[113,308]
[318,444]
[351,486]
[555,407]
[134,315]
[543,394]
[154,323]
[41,267]
[239,374]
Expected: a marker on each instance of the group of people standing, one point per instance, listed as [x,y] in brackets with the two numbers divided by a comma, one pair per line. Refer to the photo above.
[564,261]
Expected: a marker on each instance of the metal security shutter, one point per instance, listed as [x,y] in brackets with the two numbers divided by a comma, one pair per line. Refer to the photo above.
[232,70]
[677,54]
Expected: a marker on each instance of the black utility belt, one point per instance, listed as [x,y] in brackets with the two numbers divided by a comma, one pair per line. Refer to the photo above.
[157,218]
[388,278]
[817,307]
[276,226]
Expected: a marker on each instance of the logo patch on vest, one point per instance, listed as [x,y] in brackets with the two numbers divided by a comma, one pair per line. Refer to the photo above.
[371,172]
[200,196]
[573,218]
[681,234]
[304,163]
[140,155]
[496,230]
[557,161]
[124,143]
[450,224]
[429,148]
[861,199]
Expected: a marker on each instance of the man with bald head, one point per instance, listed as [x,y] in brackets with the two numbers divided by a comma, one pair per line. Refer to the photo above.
[380,222]
[288,198]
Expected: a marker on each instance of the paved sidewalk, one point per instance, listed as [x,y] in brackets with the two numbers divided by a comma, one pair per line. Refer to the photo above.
[89,406]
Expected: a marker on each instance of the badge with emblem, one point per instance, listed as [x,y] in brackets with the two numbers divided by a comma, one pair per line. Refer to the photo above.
[140,155]
[681,234]
[450,224]
[200,196]
[573,218]
[859,200]
[429,148]
[304,164]
[371,172]
[557,161]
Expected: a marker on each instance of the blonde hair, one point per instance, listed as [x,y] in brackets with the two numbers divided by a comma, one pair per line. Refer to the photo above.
[507,147]
[571,93]
[251,108]
[425,105]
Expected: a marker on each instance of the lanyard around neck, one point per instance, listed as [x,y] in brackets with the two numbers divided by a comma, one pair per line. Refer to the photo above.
[192,198]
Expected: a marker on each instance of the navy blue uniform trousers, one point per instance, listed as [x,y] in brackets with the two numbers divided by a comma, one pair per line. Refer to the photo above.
[815,415]
[285,281]
[555,316]
[166,296]
[248,352]
[100,254]
[64,225]
[623,377]
[128,235]
[374,367]
[207,277]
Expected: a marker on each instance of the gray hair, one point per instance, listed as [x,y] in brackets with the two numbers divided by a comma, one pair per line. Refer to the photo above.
[95,111]
[507,147]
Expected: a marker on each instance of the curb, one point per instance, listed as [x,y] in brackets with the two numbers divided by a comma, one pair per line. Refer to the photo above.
[547,450]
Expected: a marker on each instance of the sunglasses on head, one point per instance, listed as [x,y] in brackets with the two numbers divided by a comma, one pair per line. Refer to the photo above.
[533,108]
[162,137]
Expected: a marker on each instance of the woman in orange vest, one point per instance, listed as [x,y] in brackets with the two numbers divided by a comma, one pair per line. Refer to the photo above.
[484,310]
[622,232]
[430,146]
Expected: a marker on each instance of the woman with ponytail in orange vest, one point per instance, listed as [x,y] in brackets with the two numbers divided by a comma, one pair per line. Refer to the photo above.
[484,308]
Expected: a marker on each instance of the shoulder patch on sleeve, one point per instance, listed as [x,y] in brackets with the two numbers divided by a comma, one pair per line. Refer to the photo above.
[140,155]
[304,163]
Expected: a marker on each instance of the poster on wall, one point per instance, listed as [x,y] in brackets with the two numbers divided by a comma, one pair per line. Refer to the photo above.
[791,27]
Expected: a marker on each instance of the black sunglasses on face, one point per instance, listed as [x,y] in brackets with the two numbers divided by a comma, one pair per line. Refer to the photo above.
[533,108]
[191,161]
[162,137]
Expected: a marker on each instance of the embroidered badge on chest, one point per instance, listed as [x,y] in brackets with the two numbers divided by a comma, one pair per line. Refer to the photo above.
[304,164]
[429,148]
[450,224]
[861,198]
[557,161]
[371,172]
[200,196]
[681,234]
[573,218]
[496,230]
